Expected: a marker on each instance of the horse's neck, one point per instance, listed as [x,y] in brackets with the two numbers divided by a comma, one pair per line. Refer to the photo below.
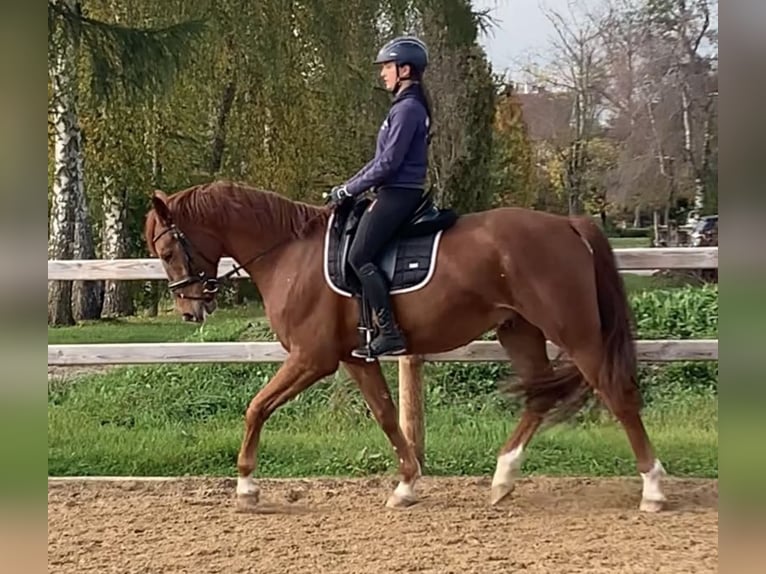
[260,253]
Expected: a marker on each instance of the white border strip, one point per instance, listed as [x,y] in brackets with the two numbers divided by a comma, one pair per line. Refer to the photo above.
[213,477]
[431,268]
[326,258]
[130,478]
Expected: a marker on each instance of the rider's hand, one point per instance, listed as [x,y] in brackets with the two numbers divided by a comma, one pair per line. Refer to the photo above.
[337,195]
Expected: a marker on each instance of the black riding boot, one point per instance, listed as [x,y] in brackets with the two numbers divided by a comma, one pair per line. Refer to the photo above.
[389,340]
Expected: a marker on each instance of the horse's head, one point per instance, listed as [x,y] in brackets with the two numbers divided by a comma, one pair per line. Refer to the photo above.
[189,256]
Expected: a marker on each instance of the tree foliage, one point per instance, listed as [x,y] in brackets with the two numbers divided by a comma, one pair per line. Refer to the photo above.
[92,62]
[123,60]
[513,162]
[280,94]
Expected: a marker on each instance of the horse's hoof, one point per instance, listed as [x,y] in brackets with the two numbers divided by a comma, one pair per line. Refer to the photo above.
[651,505]
[396,501]
[499,492]
[247,502]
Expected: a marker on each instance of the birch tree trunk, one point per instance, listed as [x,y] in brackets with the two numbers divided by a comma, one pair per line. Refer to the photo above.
[70,234]
[67,176]
[86,295]
[118,301]
[656,228]
[699,185]
[61,228]
[693,21]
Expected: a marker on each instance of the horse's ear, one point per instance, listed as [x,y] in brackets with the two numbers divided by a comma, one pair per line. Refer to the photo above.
[160,204]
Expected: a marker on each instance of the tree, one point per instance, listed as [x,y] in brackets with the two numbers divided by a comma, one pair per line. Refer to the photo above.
[683,30]
[122,61]
[512,155]
[662,105]
[67,171]
[460,79]
[576,70]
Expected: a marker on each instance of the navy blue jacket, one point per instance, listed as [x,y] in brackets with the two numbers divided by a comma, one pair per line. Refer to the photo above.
[401,155]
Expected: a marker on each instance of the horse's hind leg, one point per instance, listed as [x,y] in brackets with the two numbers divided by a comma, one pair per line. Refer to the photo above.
[624,401]
[373,385]
[525,345]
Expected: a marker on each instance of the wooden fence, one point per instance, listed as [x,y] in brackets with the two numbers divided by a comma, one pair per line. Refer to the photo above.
[410,381]
[145,269]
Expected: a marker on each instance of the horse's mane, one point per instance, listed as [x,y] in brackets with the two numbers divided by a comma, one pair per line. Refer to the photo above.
[232,205]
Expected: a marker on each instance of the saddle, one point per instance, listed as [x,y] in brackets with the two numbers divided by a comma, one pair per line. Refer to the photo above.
[408,261]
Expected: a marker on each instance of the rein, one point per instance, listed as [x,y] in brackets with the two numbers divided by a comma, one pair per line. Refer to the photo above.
[211,285]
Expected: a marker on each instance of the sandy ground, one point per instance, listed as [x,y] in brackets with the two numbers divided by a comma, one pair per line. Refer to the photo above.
[549,525]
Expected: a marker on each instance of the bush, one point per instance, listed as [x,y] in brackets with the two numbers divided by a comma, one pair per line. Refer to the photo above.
[684,313]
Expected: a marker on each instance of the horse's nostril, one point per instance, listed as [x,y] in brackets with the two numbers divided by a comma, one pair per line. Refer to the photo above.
[187,317]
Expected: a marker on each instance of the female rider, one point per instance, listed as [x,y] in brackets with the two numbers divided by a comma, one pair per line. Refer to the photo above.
[397,173]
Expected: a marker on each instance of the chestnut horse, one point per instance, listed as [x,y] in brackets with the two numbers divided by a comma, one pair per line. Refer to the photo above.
[528,275]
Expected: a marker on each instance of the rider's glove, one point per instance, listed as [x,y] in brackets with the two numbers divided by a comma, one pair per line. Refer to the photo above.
[337,195]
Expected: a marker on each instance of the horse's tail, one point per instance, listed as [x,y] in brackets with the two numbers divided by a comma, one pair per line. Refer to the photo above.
[566,388]
[617,377]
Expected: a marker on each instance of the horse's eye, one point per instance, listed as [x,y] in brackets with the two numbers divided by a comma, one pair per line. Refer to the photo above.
[167,256]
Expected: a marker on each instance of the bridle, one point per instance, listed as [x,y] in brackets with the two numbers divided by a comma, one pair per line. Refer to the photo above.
[211,285]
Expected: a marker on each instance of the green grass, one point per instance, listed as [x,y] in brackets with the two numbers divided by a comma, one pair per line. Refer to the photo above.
[625,242]
[323,442]
[187,419]
[238,323]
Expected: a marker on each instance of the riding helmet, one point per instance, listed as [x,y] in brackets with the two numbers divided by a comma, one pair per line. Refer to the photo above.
[405,50]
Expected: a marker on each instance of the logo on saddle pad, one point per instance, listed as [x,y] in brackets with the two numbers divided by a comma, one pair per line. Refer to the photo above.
[408,261]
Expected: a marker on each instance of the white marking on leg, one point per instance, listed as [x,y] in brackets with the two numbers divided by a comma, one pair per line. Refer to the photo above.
[246,486]
[404,491]
[407,489]
[652,490]
[507,465]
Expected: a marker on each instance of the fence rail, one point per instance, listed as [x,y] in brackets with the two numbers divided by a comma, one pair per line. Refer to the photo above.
[146,269]
[265,352]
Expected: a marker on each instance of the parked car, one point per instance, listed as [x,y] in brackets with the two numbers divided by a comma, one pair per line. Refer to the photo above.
[705,232]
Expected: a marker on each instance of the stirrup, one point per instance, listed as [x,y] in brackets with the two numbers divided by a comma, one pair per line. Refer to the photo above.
[363,351]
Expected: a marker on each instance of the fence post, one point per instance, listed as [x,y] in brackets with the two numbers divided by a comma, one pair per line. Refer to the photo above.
[411,398]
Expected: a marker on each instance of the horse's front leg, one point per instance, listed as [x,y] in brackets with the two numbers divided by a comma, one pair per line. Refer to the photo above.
[295,375]
[373,385]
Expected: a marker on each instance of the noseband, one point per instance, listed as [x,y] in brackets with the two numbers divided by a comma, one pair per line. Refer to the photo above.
[210,285]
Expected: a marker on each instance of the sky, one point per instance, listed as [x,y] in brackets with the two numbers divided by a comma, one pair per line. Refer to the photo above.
[522,31]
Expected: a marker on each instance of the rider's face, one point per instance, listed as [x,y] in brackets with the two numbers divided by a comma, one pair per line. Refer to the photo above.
[389,75]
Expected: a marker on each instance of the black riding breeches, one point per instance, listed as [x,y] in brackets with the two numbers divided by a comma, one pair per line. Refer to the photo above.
[389,211]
